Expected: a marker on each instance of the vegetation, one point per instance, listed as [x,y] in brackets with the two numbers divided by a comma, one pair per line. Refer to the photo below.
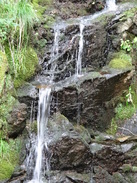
[121,60]
[124,110]
[9,157]
[18,62]
[17,18]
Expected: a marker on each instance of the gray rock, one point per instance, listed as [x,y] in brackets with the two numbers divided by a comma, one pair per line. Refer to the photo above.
[17,120]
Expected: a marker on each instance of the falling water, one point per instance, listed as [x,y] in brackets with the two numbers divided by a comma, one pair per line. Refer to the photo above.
[45,94]
[111,5]
[42,119]
[55,51]
[78,69]
[43,114]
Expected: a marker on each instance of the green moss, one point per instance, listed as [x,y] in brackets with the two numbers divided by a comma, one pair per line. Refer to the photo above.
[41,6]
[128,14]
[3,70]
[120,63]
[49,20]
[9,157]
[6,104]
[122,55]
[30,62]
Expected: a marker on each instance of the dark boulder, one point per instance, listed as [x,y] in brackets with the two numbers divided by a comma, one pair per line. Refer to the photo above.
[89,99]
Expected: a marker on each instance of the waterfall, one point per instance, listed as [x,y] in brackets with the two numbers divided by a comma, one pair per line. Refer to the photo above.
[42,117]
[111,4]
[45,93]
[78,68]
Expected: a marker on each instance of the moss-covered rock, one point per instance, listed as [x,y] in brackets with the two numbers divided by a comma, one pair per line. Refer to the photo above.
[9,157]
[41,6]
[30,63]
[120,61]
[3,70]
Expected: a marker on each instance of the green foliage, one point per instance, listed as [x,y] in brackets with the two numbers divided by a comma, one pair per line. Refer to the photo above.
[17,18]
[128,45]
[124,111]
[9,157]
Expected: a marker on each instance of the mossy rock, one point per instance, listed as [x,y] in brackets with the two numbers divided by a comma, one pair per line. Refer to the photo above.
[30,63]
[41,6]
[3,69]
[9,157]
[119,63]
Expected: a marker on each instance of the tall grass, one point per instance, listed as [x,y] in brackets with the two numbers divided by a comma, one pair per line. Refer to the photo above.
[17,17]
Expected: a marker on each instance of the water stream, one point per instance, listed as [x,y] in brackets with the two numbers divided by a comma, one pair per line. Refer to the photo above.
[45,93]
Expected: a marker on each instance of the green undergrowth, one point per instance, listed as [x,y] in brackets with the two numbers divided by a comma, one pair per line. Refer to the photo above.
[9,157]
[125,109]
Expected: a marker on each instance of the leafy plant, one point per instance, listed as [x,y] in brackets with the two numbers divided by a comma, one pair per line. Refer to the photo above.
[129,99]
[128,45]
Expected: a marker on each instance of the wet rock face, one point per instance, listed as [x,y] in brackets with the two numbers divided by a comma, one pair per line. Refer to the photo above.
[70,153]
[90,99]
[17,120]
[95,50]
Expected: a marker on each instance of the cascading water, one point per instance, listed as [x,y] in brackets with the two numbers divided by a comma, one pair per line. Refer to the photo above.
[111,4]
[42,117]
[45,93]
[78,73]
